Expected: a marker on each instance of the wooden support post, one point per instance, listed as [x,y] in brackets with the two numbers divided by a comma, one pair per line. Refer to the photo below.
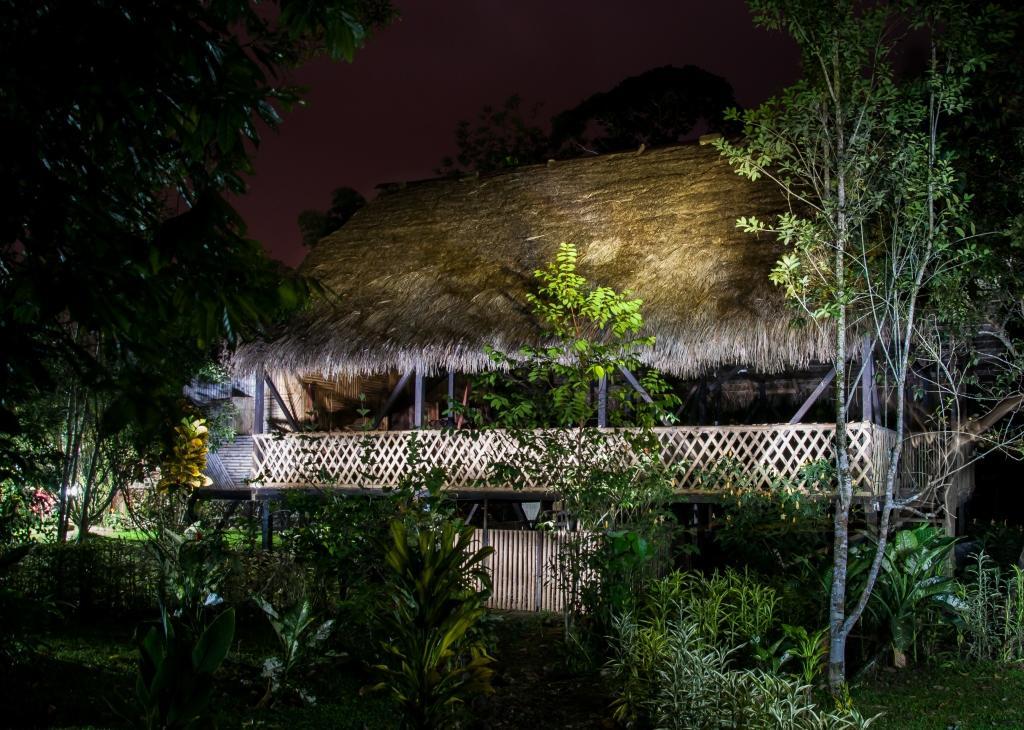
[602,402]
[538,569]
[399,387]
[867,380]
[417,413]
[487,538]
[293,422]
[258,407]
[451,398]
[813,397]
[268,525]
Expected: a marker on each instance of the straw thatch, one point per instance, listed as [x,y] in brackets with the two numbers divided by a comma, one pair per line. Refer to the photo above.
[430,273]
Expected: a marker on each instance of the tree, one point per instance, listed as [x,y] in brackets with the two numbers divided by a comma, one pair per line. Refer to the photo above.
[879,223]
[122,265]
[315,225]
[501,138]
[658,107]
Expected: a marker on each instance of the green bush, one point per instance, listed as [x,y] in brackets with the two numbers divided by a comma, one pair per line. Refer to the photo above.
[432,662]
[175,676]
[671,677]
[727,609]
[990,616]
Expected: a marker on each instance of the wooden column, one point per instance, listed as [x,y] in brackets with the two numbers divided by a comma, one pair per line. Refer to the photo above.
[268,525]
[451,398]
[259,411]
[417,413]
[602,402]
[867,380]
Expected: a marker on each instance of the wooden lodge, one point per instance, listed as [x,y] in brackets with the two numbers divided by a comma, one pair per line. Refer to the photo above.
[427,276]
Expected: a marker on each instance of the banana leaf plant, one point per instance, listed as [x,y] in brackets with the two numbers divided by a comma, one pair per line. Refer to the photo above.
[437,591]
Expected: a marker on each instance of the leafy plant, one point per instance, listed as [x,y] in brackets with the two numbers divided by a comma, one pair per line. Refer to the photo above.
[174,683]
[727,609]
[184,465]
[299,635]
[431,662]
[669,676]
[990,617]
[191,569]
[810,649]
[914,581]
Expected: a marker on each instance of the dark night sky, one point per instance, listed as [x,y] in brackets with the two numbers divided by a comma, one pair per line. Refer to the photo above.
[390,115]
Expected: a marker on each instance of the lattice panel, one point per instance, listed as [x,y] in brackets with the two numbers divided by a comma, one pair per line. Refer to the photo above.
[383,459]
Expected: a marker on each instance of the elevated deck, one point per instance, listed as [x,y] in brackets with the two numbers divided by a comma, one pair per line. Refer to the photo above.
[380,459]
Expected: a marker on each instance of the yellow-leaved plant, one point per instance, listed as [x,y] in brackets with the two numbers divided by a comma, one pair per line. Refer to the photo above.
[184,465]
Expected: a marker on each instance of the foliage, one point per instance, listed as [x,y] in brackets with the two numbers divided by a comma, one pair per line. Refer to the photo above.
[431,664]
[501,138]
[336,535]
[614,488]
[183,467]
[878,232]
[671,677]
[914,583]
[990,615]
[772,525]
[299,636]
[726,609]
[175,676]
[192,567]
[315,225]
[657,107]
[117,212]
[22,513]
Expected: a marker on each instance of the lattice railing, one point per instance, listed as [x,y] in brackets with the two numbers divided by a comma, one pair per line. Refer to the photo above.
[381,459]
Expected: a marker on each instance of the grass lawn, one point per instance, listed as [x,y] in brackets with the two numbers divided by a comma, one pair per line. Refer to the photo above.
[958,698]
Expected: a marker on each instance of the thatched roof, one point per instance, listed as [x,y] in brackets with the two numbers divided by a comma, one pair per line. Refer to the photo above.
[431,272]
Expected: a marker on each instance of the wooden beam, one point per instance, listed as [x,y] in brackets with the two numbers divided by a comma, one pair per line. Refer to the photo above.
[288,415]
[417,403]
[631,379]
[813,397]
[399,387]
[718,382]
[258,407]
[602,402]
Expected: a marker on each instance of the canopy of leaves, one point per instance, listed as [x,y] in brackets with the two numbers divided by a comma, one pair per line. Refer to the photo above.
[314,224]
[125,125]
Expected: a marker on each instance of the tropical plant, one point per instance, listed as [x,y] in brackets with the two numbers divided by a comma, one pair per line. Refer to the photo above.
[727,609]
[809,648]
[914,581]
[174,683]
[990,612]
[192,566]
[435,597]
[299,635]
[184,464]
[668,676]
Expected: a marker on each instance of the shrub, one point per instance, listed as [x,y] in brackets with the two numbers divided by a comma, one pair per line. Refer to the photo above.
[913,584]
[990,617]
[431,661]
[175,677]
[728,609]
[672,677]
